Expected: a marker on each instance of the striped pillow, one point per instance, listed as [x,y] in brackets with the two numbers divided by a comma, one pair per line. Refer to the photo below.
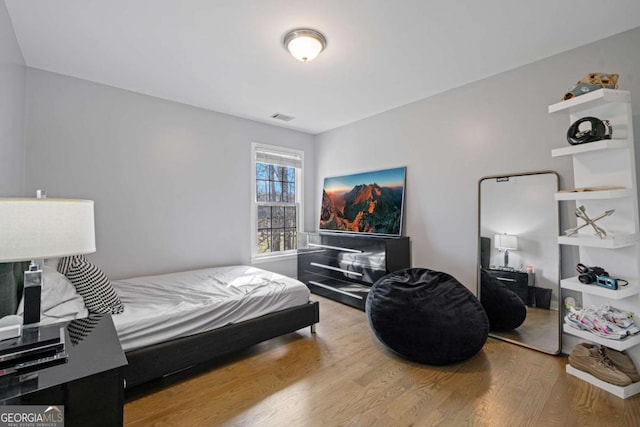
[94,287]
[65,263]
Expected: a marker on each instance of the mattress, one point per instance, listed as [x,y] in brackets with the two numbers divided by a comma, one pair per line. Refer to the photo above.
[169,306]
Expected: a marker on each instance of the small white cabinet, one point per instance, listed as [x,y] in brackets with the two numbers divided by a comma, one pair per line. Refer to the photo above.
[606,164]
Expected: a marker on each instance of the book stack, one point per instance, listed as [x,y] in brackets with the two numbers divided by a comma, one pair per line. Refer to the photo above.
[35,348]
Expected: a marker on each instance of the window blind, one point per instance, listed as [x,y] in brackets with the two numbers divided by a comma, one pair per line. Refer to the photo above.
[279,158]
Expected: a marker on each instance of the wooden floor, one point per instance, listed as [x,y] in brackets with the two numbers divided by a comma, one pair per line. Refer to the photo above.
[540,330]
[343,376]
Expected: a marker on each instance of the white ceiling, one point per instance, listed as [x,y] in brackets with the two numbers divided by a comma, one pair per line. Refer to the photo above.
[227,55]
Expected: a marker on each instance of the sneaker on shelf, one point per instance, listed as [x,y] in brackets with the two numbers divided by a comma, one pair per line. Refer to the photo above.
[622,362]
[611,329]
[624,319]
[575,319]
[591,359]
[586,320]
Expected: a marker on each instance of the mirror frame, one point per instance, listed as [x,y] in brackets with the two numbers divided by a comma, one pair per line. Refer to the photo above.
[479,265]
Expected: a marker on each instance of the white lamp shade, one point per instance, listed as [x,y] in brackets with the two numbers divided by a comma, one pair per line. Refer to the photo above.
[506,241]
[45,228]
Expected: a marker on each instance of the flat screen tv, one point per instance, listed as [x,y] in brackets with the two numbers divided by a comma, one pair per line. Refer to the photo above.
[369,202]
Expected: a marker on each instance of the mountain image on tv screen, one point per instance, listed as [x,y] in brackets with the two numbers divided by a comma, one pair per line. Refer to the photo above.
[369,202]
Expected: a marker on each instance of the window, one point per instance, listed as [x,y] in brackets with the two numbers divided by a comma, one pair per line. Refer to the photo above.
[276,199]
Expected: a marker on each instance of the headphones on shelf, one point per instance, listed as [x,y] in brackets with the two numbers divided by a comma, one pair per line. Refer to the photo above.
[600,129]
[590,274]
[599,277]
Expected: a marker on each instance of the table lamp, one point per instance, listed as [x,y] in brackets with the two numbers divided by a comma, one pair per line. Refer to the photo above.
[506,242]
[35,229]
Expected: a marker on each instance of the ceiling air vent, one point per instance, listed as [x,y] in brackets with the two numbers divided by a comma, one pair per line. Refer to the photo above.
[282,117]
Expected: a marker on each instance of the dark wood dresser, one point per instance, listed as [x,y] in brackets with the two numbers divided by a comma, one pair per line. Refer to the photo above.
[343,267]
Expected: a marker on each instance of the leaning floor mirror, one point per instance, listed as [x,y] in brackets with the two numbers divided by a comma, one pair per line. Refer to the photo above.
[519,259]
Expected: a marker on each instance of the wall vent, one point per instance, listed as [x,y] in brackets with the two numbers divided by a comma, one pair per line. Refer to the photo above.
[282,117]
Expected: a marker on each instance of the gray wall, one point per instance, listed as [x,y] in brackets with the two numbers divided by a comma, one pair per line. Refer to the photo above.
[12,94]
[171,183]
[499,125]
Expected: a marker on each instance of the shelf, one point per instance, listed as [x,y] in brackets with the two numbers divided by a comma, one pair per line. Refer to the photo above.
[589,147]
[621,392]
[609,242]
[594,195]
[620,345]
[590,100]
[572,283]
[604,163]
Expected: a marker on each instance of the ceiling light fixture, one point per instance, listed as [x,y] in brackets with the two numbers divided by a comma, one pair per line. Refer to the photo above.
[304,44]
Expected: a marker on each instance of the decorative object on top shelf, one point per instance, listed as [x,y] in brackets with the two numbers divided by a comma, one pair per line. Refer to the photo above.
[506,242]
[597,130]
[591,82]
[581,213]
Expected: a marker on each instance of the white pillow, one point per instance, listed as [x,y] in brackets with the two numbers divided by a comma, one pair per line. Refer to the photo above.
[52,262]
[59,299]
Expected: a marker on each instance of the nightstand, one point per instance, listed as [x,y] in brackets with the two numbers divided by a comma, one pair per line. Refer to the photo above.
[90,383]
[520,282]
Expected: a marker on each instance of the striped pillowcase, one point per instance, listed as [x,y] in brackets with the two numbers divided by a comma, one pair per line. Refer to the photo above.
[65,263]
[92,284]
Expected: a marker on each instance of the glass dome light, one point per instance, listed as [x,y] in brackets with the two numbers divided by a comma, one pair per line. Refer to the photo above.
[304,44]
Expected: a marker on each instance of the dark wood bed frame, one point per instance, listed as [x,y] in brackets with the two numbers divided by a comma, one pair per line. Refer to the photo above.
[159,360]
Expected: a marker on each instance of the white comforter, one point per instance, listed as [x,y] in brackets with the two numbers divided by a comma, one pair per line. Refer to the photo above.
[160,308]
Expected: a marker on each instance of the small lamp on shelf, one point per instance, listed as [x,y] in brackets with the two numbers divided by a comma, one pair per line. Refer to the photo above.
[506,242]
[35,229]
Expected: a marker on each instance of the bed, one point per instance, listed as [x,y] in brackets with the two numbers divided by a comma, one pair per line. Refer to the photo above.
[175,321]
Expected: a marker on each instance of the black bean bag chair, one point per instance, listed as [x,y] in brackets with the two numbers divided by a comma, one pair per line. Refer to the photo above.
[426,316]
[504,308]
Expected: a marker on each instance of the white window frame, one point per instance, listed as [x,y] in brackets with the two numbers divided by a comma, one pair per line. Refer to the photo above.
[258,147]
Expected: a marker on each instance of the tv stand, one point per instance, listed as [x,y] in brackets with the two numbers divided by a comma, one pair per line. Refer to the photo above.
[343,267]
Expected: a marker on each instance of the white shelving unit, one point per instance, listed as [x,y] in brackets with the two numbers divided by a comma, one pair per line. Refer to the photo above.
[605,144]
[619,345]
[594,195]
[621,392]
[572,283]
[607,163]
[609,242]
[585,103]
